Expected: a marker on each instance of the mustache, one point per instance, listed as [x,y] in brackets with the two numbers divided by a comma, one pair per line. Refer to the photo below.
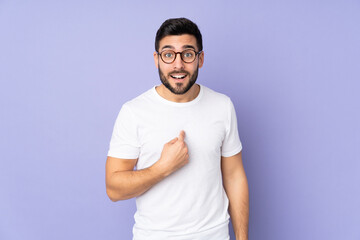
[184,72]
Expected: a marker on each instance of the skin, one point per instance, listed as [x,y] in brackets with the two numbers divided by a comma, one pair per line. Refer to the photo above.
[178,43]
[122,182]
[236,188]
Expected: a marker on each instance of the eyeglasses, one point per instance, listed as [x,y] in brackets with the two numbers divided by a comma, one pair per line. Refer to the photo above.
[169,56]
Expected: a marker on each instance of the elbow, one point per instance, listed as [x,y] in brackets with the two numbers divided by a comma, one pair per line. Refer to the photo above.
[111,195]
[114,196]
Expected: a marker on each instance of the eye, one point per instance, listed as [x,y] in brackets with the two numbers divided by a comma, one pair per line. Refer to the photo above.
[188,54]
[168,54]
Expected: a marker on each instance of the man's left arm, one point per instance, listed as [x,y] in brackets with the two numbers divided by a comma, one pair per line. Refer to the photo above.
[236,187]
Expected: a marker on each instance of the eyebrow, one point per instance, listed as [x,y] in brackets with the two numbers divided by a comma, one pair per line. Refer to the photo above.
[188,46]
[184,47]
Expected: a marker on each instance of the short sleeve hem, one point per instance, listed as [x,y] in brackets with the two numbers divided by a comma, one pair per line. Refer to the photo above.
[233,152]
[122,155]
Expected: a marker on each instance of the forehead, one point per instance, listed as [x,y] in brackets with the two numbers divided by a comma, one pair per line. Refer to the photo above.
[178,41]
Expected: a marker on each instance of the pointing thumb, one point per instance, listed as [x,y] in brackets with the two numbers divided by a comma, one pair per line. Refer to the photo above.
[182,135]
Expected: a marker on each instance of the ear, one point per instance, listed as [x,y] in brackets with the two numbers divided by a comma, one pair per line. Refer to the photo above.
[156,60]
[201,59]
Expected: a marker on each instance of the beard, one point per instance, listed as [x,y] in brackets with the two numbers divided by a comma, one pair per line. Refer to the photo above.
[180,88]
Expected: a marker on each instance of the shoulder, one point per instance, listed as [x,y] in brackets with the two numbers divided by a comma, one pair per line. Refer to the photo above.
[140,101]
[219,103]
[215,97]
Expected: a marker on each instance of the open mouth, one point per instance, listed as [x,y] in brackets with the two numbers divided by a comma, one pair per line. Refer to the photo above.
[178,76]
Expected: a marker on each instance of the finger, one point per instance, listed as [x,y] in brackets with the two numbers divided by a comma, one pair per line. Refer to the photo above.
[182,135]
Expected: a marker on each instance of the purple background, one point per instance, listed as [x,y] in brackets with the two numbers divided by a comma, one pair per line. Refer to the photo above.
[292,69]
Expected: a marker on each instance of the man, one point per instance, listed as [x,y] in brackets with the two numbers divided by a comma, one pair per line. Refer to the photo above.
[183,139]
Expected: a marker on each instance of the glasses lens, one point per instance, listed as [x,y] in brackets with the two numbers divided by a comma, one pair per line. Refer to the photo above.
[188,56]
[168,56]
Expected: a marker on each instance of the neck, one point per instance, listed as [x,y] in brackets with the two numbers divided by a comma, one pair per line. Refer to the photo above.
[186,97]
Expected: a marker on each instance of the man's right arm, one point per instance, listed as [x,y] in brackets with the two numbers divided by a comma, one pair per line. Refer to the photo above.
[122,182]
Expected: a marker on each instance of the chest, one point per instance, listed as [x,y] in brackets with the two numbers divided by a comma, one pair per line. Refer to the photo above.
[204,133]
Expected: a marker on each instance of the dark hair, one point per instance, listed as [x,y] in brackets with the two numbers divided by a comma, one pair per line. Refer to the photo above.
[178,26]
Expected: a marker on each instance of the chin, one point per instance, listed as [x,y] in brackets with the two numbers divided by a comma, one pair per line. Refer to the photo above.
[178,88]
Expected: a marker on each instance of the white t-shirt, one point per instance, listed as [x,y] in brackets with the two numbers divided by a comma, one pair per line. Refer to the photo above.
[190,203]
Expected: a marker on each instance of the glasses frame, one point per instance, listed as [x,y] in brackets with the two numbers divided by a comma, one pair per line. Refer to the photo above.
[176,53]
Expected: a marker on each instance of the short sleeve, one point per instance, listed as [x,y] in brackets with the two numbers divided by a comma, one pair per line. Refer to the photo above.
[231,144]
[124,142]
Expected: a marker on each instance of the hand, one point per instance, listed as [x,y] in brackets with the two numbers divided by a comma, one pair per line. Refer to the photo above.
[174,155]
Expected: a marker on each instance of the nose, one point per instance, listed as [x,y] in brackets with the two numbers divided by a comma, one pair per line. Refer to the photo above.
[178,63]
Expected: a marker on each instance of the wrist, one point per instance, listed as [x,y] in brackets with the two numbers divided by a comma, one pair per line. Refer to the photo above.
[240,237]
[159,170]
